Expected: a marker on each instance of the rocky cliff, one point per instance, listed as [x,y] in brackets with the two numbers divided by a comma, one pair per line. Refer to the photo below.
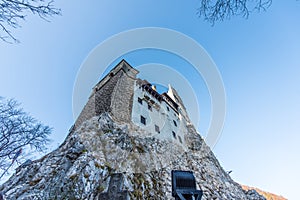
[267,195]
[83,166]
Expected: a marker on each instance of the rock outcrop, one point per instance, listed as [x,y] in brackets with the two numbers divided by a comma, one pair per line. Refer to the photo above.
[82,167]
[267,195]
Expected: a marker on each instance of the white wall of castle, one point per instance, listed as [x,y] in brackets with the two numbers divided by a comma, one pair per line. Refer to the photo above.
[160,114]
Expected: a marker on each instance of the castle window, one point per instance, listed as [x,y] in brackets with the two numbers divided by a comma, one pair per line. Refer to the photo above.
[175,123]
[149,107]
[157,128]
[176,98]
[151,101]
[168,108]
[179,139]
[143,120]
[174,134]
[140,100]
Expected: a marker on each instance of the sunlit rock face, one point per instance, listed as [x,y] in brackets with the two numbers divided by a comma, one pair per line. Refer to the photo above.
[82,167]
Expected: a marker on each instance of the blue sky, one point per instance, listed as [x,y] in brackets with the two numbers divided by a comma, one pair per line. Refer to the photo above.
[258,59]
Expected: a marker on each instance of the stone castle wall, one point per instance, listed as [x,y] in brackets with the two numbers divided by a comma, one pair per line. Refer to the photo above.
[87,112]
[103,95]
[122,98]
[112,94]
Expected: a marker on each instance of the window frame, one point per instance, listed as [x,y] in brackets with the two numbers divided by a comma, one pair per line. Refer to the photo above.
[156,127]
[149,107]
[174,122]
[174,135]
[179,138]
[140,101]
[143,120]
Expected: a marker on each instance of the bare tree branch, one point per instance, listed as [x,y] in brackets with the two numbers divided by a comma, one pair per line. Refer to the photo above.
[219,10]
[13,11]
[18,131]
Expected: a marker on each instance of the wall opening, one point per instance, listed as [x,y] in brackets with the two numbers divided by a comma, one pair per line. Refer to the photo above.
[157,129]
[174,134]
[175,124]
[143,120]
[140,100]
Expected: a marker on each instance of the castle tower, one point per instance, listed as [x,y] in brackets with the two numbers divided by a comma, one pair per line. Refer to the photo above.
[112,94]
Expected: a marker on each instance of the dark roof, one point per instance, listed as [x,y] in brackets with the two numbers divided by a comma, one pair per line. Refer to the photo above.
[160,97]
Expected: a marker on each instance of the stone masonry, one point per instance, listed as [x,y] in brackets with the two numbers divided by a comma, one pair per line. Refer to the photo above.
[112,94]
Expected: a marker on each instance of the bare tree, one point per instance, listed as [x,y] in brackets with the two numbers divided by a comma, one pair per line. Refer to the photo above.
[18,131]
[12,11]
[218,10]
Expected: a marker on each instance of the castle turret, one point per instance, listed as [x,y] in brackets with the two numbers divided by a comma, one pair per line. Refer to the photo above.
[112,94]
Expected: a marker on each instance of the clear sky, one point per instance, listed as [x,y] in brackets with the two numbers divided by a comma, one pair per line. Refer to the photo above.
[258,58]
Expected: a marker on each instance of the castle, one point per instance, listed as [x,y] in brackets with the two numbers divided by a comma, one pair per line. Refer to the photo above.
[111,156]
[129,99]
